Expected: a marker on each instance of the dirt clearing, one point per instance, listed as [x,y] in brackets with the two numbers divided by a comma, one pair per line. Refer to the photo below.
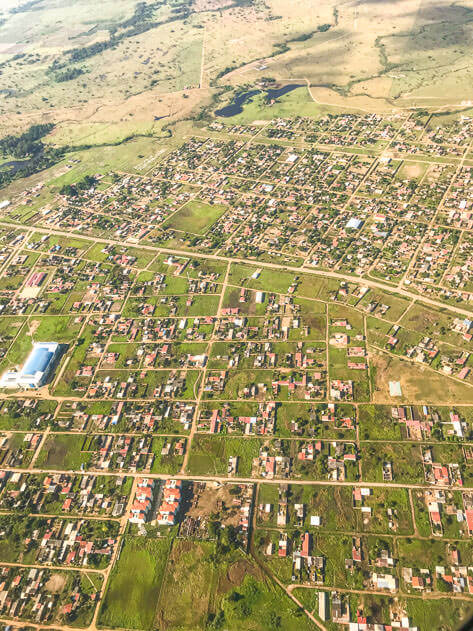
[56,583]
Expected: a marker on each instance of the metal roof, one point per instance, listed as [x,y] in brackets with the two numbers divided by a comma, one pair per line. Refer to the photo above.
[39,359]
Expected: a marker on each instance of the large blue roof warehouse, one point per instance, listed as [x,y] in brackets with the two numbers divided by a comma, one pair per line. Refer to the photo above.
[36,369]
[38,361]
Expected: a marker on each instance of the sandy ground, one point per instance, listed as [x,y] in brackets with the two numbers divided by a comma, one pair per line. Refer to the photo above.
[56,583]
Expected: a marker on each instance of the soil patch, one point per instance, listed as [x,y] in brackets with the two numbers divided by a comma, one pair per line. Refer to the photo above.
[33,326]
[56,583]
[235,575]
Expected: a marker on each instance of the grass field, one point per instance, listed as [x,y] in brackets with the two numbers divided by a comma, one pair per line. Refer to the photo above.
[419,384]
[187,586]
[63,452]
[210,455]
[195,217]
[262,607]
[298,100]
[440,614]
[133,590]
[204,589]
[405,459]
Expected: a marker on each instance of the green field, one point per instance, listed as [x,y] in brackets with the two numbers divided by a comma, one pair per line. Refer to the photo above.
[298,100]
[188,581]
[204,589]
[132,594]
[195,217]
[63,452]
[210,455]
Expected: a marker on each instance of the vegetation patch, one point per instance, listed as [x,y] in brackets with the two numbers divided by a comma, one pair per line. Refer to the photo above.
[134,586]
[195,217]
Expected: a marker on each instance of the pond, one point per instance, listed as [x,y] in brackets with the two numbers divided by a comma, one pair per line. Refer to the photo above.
[236,106]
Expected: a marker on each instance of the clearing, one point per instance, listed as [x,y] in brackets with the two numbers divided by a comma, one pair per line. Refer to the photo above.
[195,217]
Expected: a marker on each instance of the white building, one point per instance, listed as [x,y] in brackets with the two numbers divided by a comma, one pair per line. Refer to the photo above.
[36,369]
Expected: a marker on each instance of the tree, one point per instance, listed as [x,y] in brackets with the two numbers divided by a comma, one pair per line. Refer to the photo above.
[213,528]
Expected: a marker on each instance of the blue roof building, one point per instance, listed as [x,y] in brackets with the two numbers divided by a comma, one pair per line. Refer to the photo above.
[36,369]
[38,361]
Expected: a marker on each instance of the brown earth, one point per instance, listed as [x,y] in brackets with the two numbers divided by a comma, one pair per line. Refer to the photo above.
[56,583]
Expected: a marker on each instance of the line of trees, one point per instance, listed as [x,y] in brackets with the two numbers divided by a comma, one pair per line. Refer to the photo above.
[136,25]
[39,163]
[28,146]
[68,75]
[26,6]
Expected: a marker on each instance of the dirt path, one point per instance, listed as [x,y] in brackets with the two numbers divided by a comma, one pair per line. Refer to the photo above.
[201,80]
[346,590]
[242,480]
[352,278]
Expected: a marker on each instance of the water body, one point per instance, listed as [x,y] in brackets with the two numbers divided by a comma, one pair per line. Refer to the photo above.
[15,165]
[236,106]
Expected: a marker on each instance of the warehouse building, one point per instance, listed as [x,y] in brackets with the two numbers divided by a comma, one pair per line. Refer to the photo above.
[36,370]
